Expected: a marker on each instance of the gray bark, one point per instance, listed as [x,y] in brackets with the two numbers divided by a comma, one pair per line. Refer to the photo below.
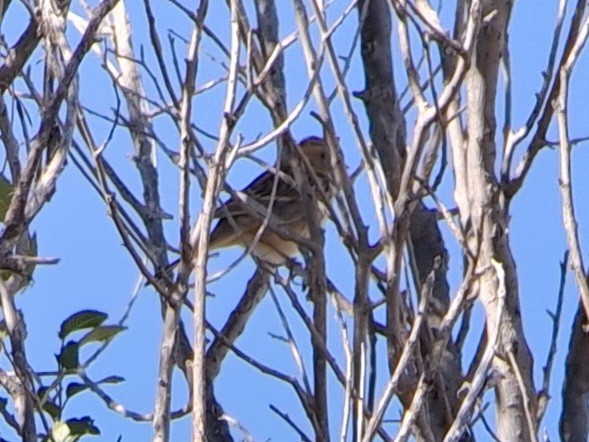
[387,131]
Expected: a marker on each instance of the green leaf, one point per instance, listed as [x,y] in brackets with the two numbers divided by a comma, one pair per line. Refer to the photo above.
[41,392]
[52,410]
[69,357]
[3,329]
[81,320]
[82,426]
[102,333]
[60,432]
[112,380]
[74,388]
[6,189]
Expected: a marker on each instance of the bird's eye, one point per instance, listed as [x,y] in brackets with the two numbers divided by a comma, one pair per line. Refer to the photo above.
[323,156]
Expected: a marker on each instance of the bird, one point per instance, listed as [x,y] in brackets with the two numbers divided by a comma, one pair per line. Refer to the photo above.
[242,216]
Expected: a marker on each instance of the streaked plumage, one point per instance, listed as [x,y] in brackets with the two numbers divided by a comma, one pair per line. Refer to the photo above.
[239,225]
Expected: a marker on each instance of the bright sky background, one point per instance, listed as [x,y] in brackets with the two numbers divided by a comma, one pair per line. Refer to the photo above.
[96,272]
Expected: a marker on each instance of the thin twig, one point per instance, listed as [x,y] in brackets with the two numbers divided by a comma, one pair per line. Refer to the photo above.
[544,394]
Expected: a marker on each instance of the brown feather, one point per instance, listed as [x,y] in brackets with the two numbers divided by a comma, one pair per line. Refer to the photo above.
[242,215]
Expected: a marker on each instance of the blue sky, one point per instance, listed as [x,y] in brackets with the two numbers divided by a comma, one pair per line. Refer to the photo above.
[96,272]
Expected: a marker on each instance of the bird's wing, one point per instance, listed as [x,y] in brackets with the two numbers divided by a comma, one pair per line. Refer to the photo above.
[260,191]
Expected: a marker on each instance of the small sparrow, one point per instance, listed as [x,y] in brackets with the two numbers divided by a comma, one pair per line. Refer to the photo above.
[240,219]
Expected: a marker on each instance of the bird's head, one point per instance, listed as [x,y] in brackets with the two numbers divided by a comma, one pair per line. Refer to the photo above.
[316,151]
